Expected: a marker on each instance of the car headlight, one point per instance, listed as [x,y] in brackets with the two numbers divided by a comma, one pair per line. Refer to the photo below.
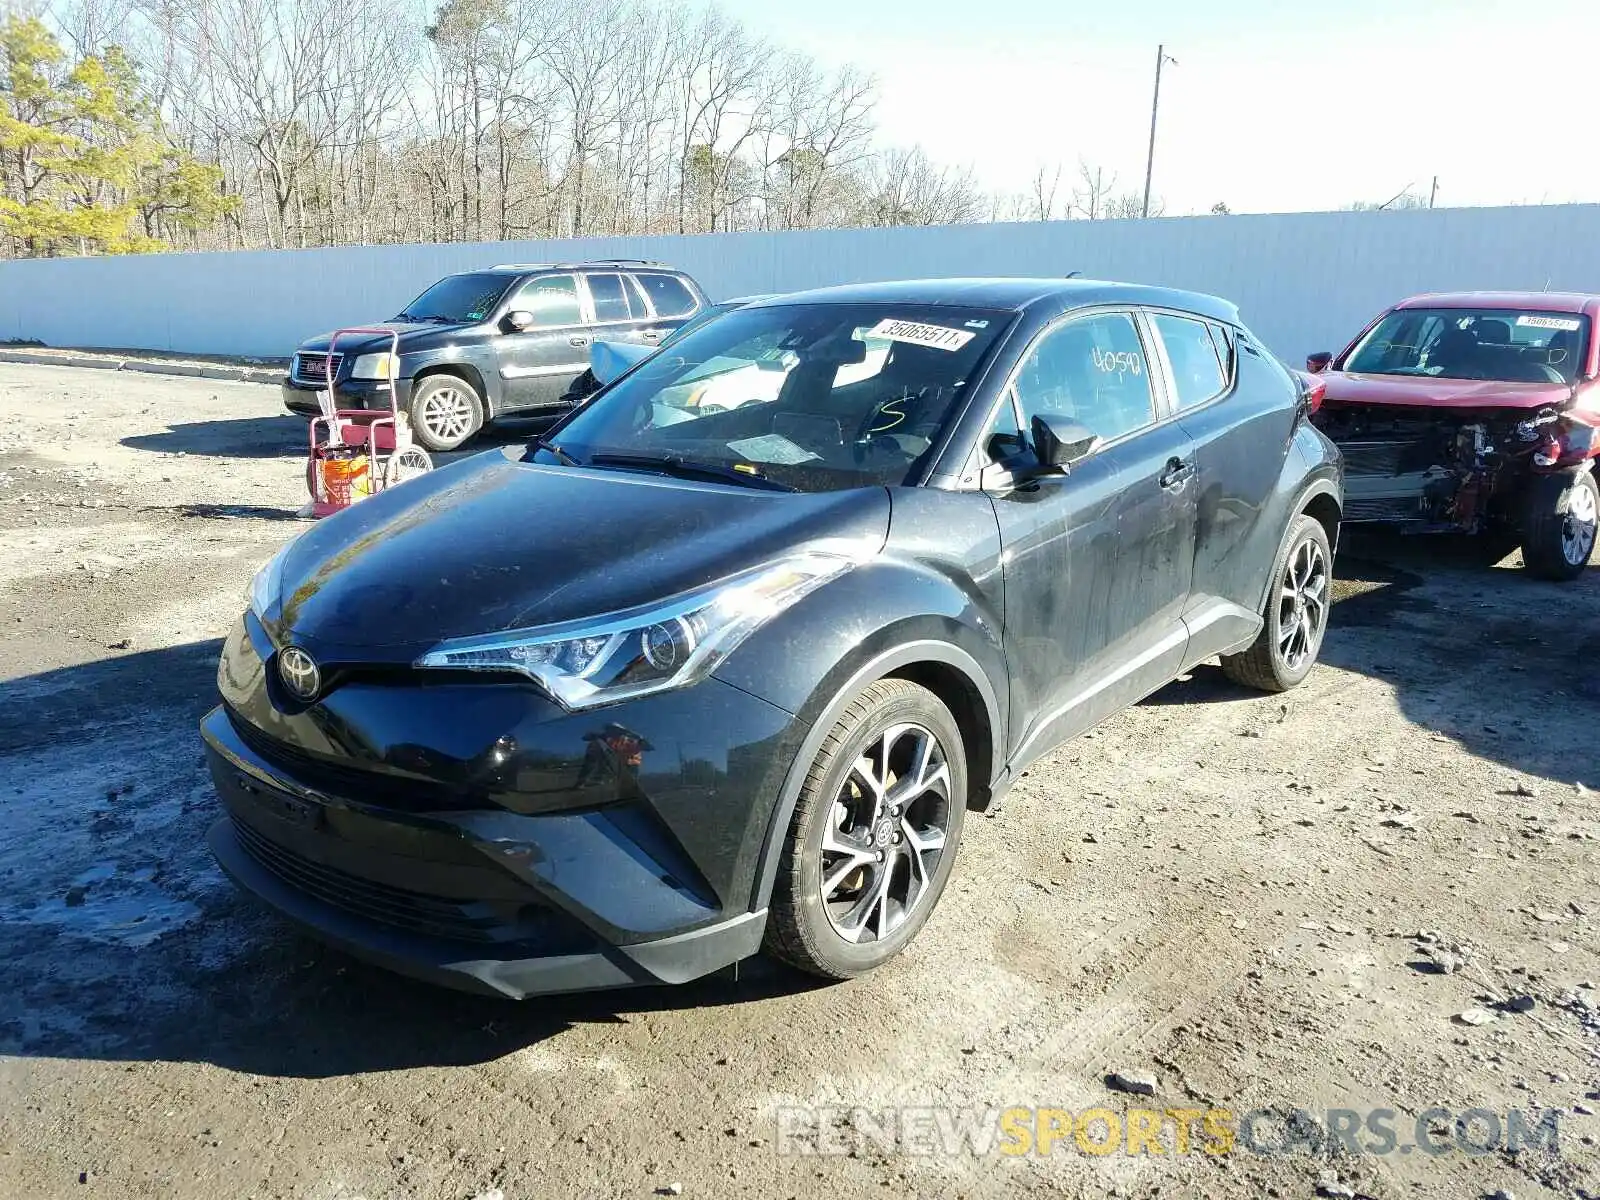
[266,585]
[582,664]
[375,366]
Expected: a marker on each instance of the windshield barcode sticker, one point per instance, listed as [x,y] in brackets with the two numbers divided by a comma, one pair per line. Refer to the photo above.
[773,448]
[1565,324]
[939,337]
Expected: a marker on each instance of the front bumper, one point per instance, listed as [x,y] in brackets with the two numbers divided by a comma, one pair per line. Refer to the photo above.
[474,833]
[301,398]
[450,900]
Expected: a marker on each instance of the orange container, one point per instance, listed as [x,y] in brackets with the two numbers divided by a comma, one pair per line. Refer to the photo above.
[345,479]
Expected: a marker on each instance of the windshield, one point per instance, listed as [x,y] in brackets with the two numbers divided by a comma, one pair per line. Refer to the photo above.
[694,322]
[458,299]
[1510,345]
[813,397]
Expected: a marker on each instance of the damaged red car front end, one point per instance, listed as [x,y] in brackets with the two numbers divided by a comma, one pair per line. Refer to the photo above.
[1474,413]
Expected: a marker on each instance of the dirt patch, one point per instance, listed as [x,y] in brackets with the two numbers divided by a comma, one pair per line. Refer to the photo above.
[1220,889]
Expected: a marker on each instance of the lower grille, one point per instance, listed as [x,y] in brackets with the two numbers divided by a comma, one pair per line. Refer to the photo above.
[482,922]
[1383,508]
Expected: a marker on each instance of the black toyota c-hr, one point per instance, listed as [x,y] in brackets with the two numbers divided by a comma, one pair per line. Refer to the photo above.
[686,680]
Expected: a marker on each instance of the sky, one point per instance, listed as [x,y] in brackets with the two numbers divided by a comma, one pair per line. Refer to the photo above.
[1272,106]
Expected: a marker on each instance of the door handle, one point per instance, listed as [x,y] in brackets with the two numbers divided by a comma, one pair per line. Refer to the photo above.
[577,339]
[1176,471]
[652,335]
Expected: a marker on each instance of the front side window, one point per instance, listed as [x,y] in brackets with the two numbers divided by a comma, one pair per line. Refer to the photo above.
[1508,345]
[458,299]
[814,397]
[1197,373]
[1091,370]
[553,301]
[610,304]
[669,295]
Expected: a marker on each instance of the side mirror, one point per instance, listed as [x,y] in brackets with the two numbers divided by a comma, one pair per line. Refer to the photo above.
[519,319]
[1061,441]
[1318,363]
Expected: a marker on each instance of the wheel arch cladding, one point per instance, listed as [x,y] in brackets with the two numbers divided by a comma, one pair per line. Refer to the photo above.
[944,669]
[959,693]
[1324,506]
[467,372]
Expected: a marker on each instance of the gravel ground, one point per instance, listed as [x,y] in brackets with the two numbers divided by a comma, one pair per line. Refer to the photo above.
[1219,889]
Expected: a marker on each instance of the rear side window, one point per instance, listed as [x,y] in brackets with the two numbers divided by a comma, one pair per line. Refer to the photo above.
[1197,374]
[553,301]
[671,298]
[1092,371]
[610,304]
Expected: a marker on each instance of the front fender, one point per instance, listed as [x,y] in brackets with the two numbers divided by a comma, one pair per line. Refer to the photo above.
[889,617]
[475,363]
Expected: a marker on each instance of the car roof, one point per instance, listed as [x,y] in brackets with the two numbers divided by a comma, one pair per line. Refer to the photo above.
[616,264]
[1015,294]
[1562,302]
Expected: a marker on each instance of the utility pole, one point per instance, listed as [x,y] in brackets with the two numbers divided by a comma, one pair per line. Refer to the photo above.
[1155,105]
[1433,192]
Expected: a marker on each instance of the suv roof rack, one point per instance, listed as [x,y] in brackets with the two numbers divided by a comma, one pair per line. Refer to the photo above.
[588,262]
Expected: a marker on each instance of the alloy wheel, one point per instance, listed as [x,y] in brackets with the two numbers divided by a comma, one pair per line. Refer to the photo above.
[447,412]
[885,834]
[1302,604]
[1578,526]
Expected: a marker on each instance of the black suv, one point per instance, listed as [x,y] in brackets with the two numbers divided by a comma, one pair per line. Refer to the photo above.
[507,341]
[683,680]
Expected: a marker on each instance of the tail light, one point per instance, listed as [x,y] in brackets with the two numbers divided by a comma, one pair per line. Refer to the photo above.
[1312,390]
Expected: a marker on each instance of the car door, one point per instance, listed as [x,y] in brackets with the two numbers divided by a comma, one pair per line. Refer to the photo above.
[615,313]
[538,362]
[1239,406]
[1097,561]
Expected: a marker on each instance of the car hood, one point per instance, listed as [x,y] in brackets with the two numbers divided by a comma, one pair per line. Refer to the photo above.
[1418,392]
[492,543]
[414,335]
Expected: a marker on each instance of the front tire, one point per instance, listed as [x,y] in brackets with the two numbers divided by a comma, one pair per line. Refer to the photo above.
[1559,525]
[874,834]
[446,412]
[1295,616]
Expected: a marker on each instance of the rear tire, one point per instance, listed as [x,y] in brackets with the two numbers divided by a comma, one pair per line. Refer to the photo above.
[874,834]
[1559,524]
[446,412]
[1295,616]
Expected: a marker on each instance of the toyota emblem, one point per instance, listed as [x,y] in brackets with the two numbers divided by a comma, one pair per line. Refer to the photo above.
[299,673]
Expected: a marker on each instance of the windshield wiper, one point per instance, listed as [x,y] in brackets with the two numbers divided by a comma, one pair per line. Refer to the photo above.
[673,464]
[562,455]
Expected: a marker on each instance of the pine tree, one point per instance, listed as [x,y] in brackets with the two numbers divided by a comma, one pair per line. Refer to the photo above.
[85,167]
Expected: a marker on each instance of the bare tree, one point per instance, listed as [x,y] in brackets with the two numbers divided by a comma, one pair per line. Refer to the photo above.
[1043,194]
[473,119]
[1093,192]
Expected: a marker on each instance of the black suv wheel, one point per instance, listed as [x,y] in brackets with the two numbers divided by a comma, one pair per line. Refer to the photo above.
[1295,615]
[874,834]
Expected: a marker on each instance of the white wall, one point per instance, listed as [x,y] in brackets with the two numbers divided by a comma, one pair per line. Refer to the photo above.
[1305,281]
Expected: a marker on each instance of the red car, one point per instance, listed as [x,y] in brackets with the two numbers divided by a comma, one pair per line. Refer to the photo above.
[1474,412]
